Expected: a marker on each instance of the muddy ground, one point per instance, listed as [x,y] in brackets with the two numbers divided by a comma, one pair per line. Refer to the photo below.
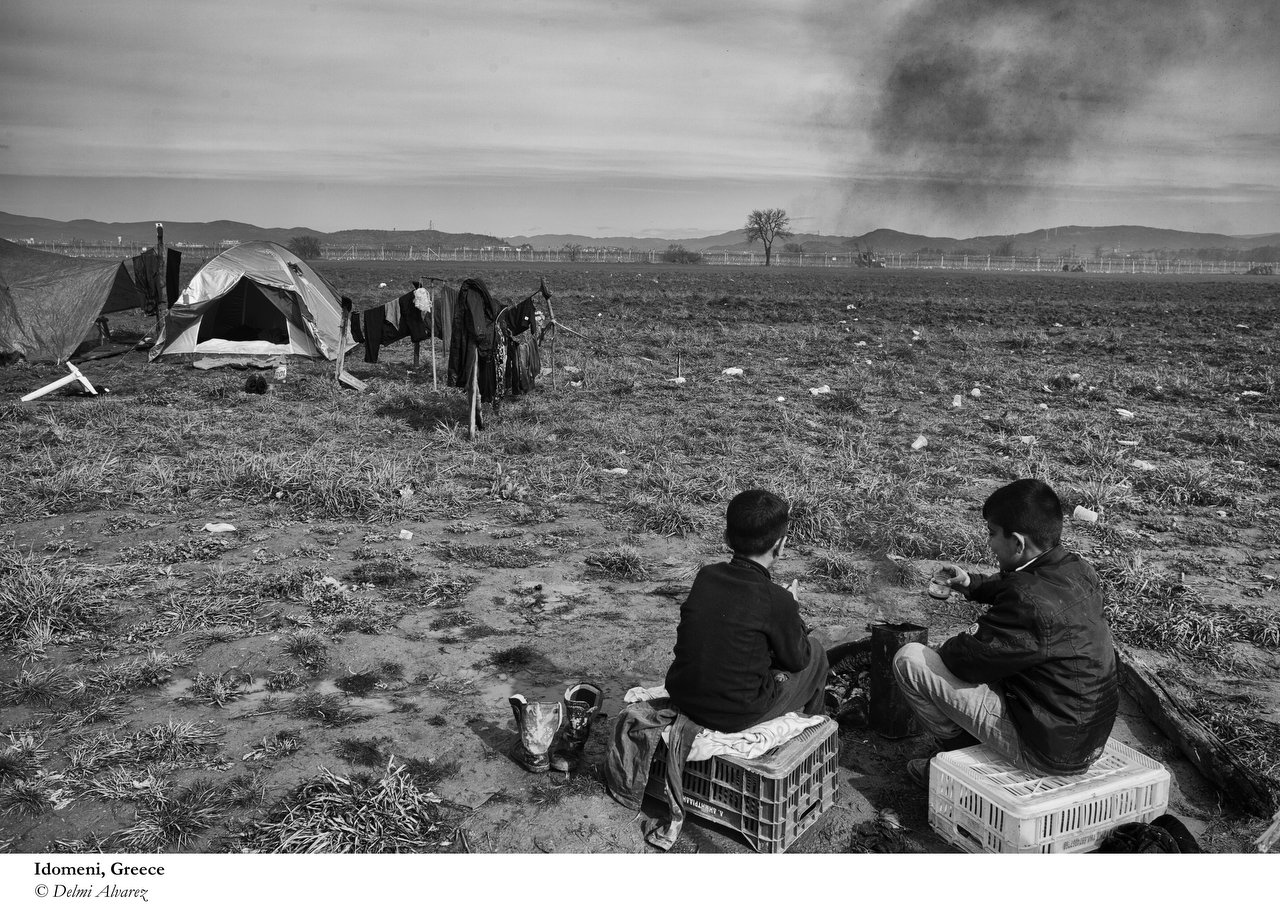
[354,638]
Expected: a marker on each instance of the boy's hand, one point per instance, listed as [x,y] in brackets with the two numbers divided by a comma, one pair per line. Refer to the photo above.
[957,577]
[780,676]
[794,589]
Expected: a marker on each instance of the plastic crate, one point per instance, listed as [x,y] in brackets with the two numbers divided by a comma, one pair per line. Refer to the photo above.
[979,802]
[770,800]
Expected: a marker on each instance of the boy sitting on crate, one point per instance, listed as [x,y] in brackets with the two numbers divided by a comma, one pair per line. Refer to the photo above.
[1037,680]
[742,656]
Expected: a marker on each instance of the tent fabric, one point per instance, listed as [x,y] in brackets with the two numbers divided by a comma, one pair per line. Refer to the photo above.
[255,298]
[49,302]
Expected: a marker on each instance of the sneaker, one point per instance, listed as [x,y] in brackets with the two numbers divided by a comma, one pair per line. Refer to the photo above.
[918,770]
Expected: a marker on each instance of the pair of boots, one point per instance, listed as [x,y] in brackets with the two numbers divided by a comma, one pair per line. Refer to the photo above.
[552,735]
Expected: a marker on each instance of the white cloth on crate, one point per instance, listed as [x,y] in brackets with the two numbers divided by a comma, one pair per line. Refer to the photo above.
[645,694]
[752,743]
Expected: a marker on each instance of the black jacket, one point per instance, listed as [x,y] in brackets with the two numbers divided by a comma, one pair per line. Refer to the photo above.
[474,337]
[1045,645]
[736,627]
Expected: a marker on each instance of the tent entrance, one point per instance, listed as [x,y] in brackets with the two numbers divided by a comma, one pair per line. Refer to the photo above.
[249,312]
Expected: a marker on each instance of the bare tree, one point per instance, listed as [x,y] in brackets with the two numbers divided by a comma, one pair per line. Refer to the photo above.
[767,226]
[304,247]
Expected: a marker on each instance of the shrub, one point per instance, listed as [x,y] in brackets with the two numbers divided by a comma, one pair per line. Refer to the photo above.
[679,255]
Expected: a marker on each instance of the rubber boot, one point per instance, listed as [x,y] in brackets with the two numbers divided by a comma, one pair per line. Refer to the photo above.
[537,724]
[582,701]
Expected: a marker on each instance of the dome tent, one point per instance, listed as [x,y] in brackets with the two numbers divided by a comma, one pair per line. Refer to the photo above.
[256,299]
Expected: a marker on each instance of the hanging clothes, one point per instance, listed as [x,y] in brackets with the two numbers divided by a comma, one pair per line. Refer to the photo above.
[443,299]
[172,275]
[146,275]
[474,338]
[388,323]
[524,363]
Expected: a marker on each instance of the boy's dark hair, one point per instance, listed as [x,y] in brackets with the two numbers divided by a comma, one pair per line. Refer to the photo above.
[755,520]
[1029,507]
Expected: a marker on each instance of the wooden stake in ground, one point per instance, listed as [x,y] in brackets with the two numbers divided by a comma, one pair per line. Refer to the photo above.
[432,338]
[342,340]
[1212,757]
[475,390]
[162,307]
[551,319]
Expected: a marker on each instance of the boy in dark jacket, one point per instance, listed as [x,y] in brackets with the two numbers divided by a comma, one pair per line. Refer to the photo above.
[742,656]
[1037,680]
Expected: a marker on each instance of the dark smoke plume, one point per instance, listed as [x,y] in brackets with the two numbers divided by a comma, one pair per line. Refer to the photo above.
[979,95]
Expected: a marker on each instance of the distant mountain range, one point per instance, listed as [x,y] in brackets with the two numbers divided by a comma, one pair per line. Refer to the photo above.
[1053,242]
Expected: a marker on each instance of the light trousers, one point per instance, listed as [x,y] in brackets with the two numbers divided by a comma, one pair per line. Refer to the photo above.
[946,705]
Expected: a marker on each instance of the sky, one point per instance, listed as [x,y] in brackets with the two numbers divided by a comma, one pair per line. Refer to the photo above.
[663,118]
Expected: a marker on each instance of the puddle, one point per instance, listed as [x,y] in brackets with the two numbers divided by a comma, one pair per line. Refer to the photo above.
[359,703]
[551,596]
[494,695]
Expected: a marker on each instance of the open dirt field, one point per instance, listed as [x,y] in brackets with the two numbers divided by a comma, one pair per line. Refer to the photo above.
[313,682]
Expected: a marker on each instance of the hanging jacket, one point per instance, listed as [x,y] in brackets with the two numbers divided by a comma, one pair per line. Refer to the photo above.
[524,363]
[474,338]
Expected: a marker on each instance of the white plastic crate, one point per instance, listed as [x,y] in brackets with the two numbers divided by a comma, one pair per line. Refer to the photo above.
[980,802]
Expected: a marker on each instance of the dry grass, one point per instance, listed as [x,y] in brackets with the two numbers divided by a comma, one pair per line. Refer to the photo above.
[309,648]
[357,813]
[284,742]
[513,658]
[327,708]
[39,598]
[368,753]
[175,744]
[621,563]
[173,818]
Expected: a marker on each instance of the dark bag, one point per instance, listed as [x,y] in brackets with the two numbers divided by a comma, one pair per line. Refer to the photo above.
[1164,835]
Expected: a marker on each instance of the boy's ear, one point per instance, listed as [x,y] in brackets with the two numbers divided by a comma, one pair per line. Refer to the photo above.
[780,545]
[1021,540]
